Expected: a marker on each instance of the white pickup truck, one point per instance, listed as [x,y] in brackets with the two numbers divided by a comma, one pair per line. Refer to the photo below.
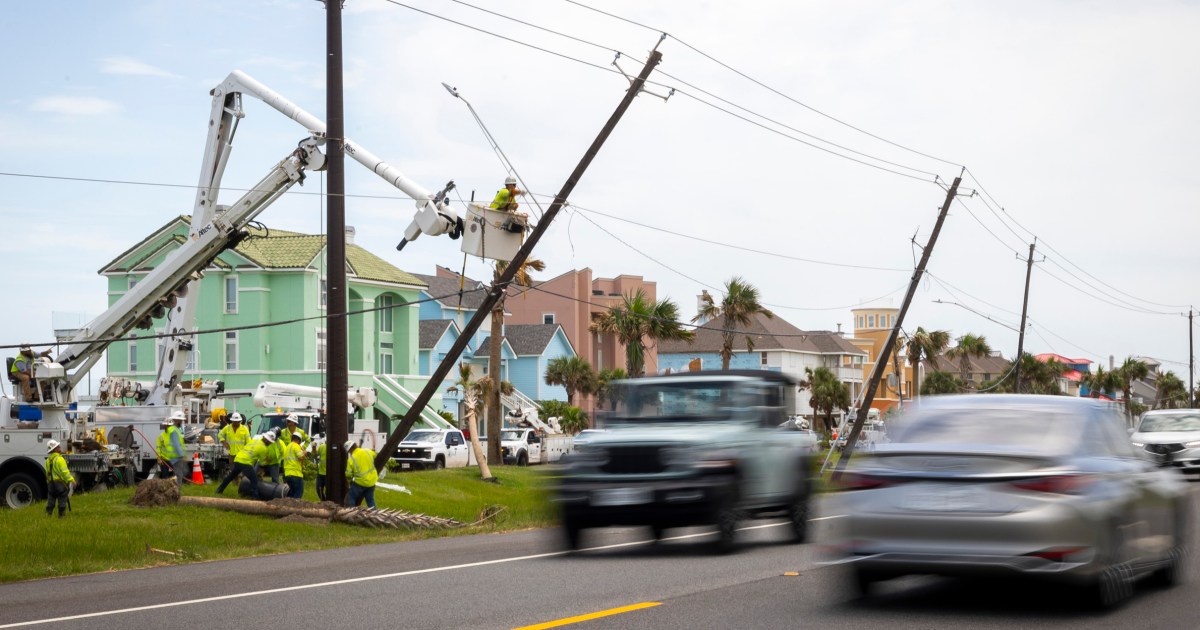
[524,446]
[432,448]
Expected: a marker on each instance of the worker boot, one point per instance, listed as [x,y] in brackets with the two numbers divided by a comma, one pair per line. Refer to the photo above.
[61,512]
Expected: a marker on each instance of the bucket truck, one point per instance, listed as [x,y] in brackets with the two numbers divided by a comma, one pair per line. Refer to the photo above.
[308,404]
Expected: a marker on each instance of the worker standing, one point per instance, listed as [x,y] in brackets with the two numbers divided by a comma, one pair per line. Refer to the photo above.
[506,198]
[361,473]
[274,457]
[22,370]
[247,458]
[170,447]
[322,467]
[234,436]
[59,480]
[293,428]
[293,467]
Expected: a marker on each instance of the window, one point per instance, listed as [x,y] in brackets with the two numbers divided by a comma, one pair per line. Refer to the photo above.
[231,294]
[870,321]
[547,318]
[322,349]
[231,350]
[385,358]
[385,315]
[193,361]
[133,280]
[133,356]
[762,360]
[861,321]
[323,299]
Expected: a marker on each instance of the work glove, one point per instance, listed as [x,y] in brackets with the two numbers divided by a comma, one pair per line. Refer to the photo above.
[71,488]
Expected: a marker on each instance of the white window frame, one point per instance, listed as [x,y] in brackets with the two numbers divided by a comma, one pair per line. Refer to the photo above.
[386,362]
[553,318]
[386,311]
[133,358]
[322,292]
[231,339]
[231,307]
[870,321]
[762,361]
[322,349]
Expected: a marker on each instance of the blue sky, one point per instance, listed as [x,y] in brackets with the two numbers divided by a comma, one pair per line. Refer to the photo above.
[1076,118]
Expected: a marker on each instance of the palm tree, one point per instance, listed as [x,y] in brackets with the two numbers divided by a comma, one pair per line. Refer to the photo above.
[606,392]
[1171,392]
[573,420]
[1131,370]
[1101,382]
[495,415]
[968,346]
[574,374]
[472,406]
[827,394]
[736,309]
[939,382]
[638,319]
[926,345]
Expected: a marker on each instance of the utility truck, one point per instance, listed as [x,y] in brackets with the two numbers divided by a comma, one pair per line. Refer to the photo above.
[308,403]
[168,291]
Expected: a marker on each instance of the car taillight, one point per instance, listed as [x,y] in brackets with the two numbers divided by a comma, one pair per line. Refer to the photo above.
[860,481]
[1063,554]
[1056,484]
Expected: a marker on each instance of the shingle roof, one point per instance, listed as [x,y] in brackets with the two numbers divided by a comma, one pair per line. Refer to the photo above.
[431,331]
[995,365]
[485,347]
[283,249]
[530,339]
[768,334]
[447,290]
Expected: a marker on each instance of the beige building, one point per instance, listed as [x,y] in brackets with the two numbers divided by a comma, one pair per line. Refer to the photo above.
[872,325]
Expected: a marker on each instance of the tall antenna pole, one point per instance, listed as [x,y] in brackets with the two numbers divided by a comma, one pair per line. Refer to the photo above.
[1024,310]
[881,360]
[337,375]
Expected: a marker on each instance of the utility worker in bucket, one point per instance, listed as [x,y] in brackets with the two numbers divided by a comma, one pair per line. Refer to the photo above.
[59,480]
[293,467]
[234,436]
[361,473]
[245,462]
[506,198]
[22,370]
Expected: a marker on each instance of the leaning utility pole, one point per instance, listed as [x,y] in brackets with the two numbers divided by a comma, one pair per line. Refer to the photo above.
[881,360]
[337,375]
[1024,310]
[1191,364]
[510,270]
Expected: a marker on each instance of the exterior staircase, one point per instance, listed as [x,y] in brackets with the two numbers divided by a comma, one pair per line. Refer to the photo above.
[394,399]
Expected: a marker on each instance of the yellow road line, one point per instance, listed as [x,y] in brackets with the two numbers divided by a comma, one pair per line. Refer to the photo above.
[589,616]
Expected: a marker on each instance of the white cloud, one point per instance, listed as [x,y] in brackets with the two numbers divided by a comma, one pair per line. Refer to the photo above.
[75,105]
[129,65]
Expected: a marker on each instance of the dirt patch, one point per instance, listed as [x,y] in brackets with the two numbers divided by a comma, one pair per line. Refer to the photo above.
[296,518]
[156,493]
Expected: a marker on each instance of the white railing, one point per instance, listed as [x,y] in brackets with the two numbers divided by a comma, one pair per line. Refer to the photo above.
[385,383]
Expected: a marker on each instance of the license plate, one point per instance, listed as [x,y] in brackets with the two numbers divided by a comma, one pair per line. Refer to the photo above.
[945,498]
[621,496]
[404,465]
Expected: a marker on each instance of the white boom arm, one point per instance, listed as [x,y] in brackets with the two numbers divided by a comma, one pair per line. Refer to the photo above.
[293,397]
[161,289]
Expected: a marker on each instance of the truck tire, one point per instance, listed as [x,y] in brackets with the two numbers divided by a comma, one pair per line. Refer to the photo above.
[523,459]
[572,534]
[19,490]
[439,463]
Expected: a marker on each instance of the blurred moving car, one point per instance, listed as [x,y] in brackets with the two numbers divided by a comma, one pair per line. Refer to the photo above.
[694,448]
[585,436]
[1172,436]
[1044,487]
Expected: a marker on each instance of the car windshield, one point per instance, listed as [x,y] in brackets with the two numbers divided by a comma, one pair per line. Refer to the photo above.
[1021,428]
[674,400]
[1170,422]
[510,436]
[424,436]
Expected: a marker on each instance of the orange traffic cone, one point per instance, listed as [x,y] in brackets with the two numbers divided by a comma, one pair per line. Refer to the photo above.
[197,475]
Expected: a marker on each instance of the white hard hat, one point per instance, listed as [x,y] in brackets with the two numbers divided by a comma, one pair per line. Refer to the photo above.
[269,437]
[350,445]
[51,445]
[236,417]
[510,180]
[291,417]
[166,422]
[177,415]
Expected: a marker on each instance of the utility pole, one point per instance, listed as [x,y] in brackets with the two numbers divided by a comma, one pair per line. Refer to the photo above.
[337,375]
[500,285]
[881,360]
[1191,364]
[1024,310]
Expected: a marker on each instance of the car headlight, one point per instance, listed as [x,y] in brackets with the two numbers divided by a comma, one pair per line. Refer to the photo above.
[1195,444]
[1138,444]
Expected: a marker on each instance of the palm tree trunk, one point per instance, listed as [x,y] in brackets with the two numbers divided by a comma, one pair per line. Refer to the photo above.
[473,427]
[495,417]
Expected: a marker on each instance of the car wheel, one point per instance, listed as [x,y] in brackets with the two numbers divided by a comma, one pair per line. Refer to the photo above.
[1172,571]
[798,518]
[727,524]
[18,491]
[657,531]
[522,459]
[572,534]
[863,581]
[1114,585]
[439,464]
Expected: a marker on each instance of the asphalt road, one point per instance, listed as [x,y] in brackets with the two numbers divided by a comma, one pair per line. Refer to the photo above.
[523,579]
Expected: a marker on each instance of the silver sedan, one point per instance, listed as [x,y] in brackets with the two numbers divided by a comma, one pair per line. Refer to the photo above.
[1172,436]
[1001,485]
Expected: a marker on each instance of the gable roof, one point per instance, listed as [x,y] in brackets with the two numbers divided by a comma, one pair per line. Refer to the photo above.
[446,291]
[485,348]
[772,333]
[283,249]
[531,339]
[431,331]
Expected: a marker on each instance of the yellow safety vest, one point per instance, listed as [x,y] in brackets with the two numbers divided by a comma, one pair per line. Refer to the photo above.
[322,461]
[503,201]
[235,438]
[360,467]
[166,449]
[293,454]
[286,436]
[56,469]
[255,452]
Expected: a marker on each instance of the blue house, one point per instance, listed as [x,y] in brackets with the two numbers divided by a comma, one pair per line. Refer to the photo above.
[534,347]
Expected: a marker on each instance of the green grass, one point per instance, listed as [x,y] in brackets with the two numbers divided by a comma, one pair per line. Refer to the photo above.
[104,532]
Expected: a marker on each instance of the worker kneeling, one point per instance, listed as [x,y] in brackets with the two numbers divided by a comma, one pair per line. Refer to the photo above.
[244,464]
[361,473]
[293,467]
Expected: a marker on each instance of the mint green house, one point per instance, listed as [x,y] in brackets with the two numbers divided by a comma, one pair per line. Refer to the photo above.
[272,286]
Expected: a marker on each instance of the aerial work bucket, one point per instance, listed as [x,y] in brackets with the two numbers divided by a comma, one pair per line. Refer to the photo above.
[491,233]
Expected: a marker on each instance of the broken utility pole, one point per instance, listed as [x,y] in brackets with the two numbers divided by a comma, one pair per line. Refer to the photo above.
[881,359]
[510,270]
[1024,311]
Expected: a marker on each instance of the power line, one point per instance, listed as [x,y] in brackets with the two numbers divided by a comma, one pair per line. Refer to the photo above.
[947,286]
